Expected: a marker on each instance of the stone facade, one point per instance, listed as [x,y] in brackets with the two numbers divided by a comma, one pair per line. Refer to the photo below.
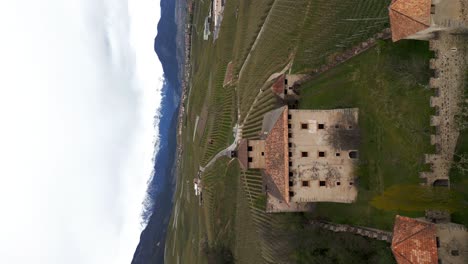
[305,156]
[320,169]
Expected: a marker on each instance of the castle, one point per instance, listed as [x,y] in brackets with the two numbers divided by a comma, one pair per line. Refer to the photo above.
[305,156]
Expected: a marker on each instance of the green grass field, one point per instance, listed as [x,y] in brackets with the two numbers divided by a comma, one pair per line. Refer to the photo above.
[388,83]
[389,86]
[459,178]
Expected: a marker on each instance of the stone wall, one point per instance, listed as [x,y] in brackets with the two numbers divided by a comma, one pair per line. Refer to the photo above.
[357,230]
[449,66]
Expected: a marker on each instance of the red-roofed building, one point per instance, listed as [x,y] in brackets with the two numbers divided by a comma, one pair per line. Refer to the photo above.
[414,241]
[420,19]
[419,241]
[302,159]
[285,86]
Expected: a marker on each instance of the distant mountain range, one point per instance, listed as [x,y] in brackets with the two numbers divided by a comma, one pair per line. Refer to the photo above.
[160,191]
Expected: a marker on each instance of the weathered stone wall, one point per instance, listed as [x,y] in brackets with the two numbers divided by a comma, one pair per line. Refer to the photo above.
[358,230]
[449,66]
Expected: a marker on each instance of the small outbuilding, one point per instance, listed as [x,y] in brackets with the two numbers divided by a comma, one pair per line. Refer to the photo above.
[420,19]
[419,241]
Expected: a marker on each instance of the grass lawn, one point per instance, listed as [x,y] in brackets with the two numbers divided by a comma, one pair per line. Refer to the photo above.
[389,86]
[459,181]
[458,178]
[339,248]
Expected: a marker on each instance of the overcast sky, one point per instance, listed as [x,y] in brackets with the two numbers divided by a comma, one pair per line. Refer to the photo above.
[79,86]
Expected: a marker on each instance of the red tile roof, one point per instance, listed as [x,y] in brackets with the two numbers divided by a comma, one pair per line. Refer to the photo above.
[276,155]
[408,17]
[278,86]
[242,154]
[414,241]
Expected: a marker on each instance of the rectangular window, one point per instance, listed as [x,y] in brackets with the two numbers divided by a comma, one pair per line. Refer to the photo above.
[321,183]
[289,135]
[289,116]
[291,174]
[437,242]
[291,194]
[321,126]
[250,159]
[289,145]
[290,164]
[290,183]
[250,148]
[289,125]
[338,183]
[337,154]
[304,126]
[263,153]
[290,154]
[304,154]
[321,154]
[305,183]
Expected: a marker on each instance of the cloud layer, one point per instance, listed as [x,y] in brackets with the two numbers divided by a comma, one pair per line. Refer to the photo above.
[79,88]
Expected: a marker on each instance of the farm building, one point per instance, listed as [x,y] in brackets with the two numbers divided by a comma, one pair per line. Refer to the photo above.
[420,19]
[285,86]
[424,242]
[305,156]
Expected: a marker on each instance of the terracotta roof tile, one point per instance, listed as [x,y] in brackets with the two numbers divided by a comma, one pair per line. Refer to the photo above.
[276,155]
[408,17]
[242,154]
[414,241]
[278,86]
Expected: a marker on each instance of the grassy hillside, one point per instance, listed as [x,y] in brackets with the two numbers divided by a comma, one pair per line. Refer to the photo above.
[388,83]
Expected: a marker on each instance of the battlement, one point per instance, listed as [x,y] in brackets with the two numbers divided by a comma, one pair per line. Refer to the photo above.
[447,82]
[434,82]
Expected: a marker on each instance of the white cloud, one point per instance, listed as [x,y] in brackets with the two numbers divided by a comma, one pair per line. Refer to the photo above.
[79,86]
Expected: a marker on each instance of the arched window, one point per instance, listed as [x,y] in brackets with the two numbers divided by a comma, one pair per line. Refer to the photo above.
[353,154]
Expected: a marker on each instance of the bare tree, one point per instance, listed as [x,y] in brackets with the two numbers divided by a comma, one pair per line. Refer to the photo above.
[461,163]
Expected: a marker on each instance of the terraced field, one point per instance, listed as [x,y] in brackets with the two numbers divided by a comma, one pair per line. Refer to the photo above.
[273,50]
[251,16]
[252,126]
[307,32]
[333,26]
[261,38]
